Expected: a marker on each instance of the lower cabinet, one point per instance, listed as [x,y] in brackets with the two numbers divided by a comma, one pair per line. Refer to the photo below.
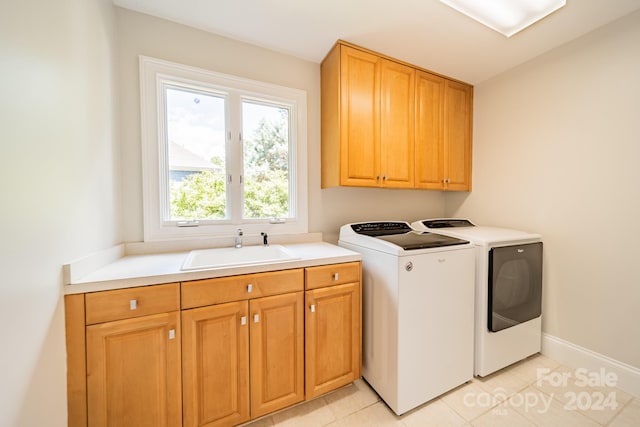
[225,383]
[133,367]
[133,372]
[332,338]
[215,365]
[277,352]
[215,352]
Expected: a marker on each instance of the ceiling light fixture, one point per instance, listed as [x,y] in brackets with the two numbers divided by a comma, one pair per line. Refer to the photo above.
[506,16]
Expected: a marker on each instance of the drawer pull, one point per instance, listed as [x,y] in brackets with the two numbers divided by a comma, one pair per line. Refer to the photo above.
[336,276]
[256,318]
[249,287]
[243,320]
[172,334]
[133,304]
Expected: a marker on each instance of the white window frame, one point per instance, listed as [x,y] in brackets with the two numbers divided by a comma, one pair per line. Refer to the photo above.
[153,74]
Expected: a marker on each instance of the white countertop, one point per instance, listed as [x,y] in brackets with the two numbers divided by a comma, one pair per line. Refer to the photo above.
[141,270]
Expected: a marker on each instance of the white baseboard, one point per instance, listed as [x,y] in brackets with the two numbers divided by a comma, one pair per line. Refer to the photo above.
[575,356]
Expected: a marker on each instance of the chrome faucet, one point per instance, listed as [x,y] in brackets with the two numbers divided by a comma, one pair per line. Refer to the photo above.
[239,238]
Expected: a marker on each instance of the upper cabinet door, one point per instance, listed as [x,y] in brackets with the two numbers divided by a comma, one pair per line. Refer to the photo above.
[385,123]
[429,131]
[397,93]
[360,112]
[458,107]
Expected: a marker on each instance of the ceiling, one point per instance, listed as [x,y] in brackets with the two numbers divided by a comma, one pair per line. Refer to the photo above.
[422,32]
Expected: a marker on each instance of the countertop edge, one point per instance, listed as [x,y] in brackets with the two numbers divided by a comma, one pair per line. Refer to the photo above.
[327,254]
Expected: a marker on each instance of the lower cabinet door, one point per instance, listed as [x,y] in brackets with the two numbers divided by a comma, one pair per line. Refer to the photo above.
[133,372]
[277,352]
[333,340]
[216,365]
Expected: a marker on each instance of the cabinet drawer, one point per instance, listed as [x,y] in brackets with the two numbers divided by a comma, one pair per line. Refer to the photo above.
[132,302]
[333,274]
[199,293]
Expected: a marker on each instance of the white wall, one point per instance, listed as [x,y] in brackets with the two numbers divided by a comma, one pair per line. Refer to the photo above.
[328,209]
[557,151]
[58,186]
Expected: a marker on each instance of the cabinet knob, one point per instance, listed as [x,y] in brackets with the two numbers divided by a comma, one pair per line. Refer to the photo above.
[249,287]
[133,304]
[336,276]
[384,178]
[243,320]
[256,318]
[312,308]
[172,334]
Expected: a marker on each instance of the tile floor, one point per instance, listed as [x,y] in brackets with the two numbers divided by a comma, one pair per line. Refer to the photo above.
[534,392]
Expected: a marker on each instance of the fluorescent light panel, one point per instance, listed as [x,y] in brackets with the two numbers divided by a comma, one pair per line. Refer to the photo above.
[506,16]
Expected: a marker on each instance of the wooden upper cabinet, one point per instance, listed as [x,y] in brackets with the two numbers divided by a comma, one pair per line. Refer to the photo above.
[396,125]
[443,133]
[389,124]
[359,158]
[429,131]
[367,120]
[458,107]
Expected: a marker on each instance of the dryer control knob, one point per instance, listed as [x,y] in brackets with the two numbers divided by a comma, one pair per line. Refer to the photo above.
[408,266]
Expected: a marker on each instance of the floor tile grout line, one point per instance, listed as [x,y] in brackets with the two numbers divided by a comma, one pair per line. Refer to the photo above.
[585,413]
[620,411]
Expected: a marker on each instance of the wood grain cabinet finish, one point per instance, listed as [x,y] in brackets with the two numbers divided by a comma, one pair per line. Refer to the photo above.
[429,131]
[333,327]
[131,302]
[277,352]
[133,372]
[443,133]
[242,359]
[331,275]
[367,120]
[228,357]
[396,125]
[356,135]
[386,123]
[215,365]
[199,293]
[458,107]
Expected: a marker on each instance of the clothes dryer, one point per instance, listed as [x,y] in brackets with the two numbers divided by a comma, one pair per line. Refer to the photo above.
[508,315]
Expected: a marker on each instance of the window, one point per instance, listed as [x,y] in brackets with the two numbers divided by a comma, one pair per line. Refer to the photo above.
[220,153]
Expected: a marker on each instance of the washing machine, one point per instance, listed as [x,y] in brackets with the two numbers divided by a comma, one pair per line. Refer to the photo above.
[418,305]
[508,315]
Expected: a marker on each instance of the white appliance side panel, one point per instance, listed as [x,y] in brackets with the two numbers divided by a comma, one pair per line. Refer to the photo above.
[379,321]
[436,325]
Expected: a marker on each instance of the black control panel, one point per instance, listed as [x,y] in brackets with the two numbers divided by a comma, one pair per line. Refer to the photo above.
[375,229]
[447,223]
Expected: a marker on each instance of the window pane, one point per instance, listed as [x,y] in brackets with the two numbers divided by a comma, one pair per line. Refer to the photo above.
[196,154]
[265,130]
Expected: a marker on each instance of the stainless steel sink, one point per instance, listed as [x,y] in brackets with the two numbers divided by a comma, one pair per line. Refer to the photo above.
[230,257]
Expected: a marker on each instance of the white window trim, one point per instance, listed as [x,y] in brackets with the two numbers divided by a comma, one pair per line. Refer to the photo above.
[151,72]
